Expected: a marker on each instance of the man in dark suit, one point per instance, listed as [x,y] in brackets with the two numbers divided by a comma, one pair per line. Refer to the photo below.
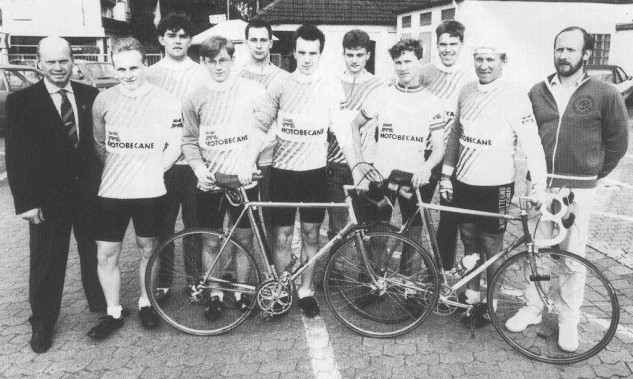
[54,176]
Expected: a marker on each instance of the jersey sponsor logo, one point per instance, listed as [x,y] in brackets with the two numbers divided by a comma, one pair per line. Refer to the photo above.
[177,123]
[527,120]
[387,132]
[115,142]
[288,127]
[212,140]
[476,141]
[583,104]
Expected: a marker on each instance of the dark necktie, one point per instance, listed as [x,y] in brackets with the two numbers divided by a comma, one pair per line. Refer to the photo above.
[68,117]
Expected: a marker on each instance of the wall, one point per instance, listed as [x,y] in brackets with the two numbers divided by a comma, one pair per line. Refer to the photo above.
[69,18]
[527,29]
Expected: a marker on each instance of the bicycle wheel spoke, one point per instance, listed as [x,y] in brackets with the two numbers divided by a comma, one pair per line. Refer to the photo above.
[181,288]
[573,291]
[392,303]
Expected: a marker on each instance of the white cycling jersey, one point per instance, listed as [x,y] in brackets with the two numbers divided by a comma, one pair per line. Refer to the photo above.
[357,89]
[131,130]
[405,119]
[490,119]
[220,124]
[270,75]
[305,107]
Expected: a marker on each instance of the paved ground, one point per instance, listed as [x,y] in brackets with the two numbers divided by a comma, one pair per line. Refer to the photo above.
[295,347]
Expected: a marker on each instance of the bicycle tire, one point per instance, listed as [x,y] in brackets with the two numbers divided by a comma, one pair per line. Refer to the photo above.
[599,310]
[177,308]
[408,296]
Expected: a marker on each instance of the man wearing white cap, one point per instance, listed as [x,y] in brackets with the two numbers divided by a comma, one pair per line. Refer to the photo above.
[492,115]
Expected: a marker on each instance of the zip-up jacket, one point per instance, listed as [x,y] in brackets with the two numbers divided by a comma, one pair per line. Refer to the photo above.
[586,141]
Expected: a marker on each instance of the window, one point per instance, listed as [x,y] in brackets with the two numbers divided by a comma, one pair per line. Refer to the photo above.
[601,49]
[448,14]
[406,21]
[425,41]
[425,19]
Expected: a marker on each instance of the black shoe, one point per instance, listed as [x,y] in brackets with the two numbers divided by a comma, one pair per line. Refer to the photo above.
[149,318]
[105,327]
[479,316]
[243,303]
[41,341]
[309,306]
[214,309]
[161,295]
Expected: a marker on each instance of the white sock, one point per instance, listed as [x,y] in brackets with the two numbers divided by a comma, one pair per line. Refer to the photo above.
[143,302]
[472,296]
[302,292]
[114,311]
[219,295]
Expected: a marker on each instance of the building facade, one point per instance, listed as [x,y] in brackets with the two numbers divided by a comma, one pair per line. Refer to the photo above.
[526,29]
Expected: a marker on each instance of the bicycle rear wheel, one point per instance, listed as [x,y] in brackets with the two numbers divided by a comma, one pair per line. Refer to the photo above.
[575,290]
[180,296]
[402,296]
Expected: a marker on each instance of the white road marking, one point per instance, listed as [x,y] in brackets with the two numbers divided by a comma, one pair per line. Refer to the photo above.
[3,176]
[321,352]
[614,215]
[630,156]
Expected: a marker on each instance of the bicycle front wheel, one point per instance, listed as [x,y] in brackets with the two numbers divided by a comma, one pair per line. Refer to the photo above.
[180,290]
[400,297]
[575,292]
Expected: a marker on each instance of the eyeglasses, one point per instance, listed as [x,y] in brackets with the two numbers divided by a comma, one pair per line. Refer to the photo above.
[221,62]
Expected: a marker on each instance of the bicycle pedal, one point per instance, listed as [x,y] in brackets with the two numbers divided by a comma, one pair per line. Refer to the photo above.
[540,278]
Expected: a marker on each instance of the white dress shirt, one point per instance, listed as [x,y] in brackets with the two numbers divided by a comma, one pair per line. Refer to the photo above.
[53,91]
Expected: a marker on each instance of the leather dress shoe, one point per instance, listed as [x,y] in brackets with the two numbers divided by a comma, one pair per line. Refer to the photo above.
[105,327]
[149,318]
[41,341]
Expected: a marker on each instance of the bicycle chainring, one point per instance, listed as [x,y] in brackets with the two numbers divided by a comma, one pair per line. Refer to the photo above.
[274,297]
[442,308]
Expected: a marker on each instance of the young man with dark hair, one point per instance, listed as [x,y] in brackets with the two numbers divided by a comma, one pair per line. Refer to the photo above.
[177,74]
[221,136]
[407,115]
[259,40]
[137,133]
[358,84]
[444,78]
[306,106]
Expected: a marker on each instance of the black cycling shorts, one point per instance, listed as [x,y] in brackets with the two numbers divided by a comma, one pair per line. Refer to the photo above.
[495,199]
[113,217]
[212,206]
[298,186]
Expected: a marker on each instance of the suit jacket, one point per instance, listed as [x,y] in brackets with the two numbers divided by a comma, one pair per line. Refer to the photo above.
[43,168]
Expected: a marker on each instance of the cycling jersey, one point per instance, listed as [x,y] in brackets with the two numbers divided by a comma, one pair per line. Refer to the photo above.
[405,118]
[267,77]
[305,106]
[177,79]
[357,89]
[445,83]
[490,119]
[219,124]
[131,129]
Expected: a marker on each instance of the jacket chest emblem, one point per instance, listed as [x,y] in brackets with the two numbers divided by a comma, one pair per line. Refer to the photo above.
[583,104]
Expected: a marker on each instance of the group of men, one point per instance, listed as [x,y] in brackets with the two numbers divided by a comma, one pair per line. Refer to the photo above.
[151,145]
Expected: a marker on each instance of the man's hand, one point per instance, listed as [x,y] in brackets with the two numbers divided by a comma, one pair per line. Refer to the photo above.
[363,174]
[245,173]
[421,176]
[34,216]
[205,179]
[541,197]
[446,188]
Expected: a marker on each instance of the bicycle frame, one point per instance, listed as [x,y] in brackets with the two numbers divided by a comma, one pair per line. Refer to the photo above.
[250,207]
